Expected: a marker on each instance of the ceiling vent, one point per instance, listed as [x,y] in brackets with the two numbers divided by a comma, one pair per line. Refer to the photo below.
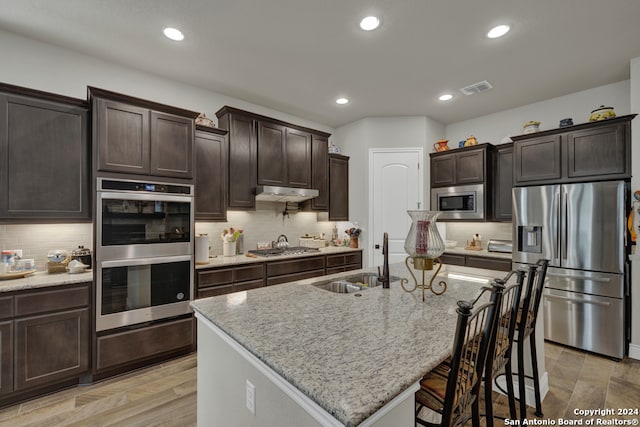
[476,88]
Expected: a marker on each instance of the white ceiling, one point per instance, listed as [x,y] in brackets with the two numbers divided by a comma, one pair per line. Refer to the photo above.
[298,56]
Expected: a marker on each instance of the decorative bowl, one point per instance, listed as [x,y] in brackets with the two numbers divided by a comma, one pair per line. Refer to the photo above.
[602,113]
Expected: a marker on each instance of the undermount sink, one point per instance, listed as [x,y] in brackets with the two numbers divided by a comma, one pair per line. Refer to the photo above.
[355,283]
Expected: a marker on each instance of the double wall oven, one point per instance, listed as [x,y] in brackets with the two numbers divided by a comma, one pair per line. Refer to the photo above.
[144,251]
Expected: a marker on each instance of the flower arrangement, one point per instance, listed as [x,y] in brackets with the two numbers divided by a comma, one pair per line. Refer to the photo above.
[230,235]
[353,232]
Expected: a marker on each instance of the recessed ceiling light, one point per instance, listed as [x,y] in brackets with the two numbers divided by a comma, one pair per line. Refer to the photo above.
[498,31]
[173,34]
[342,101]
[370,23]
[445,97]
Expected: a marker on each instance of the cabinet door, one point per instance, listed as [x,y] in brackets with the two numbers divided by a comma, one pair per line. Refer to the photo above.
[469,167]
[44,160]
[6,357]
[51,348]
[443,170]
[123,137]
[538,159]
[338,188]
[272,163]
[242,161]
[320,172]
[211,177]
[171,145]
[503,183]
[604,152]
[298,157]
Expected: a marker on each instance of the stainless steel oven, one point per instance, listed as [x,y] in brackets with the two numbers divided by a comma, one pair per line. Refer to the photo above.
[144,251]
[464,202]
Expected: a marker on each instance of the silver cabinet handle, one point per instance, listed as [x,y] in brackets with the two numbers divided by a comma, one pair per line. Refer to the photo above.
[579,301]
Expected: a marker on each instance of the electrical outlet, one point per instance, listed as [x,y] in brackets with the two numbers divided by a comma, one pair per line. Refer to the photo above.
[251,397]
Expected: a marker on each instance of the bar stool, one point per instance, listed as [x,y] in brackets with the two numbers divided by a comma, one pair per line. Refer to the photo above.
[499,352]
[528,315]
[452,388]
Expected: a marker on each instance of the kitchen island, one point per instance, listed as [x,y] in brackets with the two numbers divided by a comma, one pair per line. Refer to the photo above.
[322,358]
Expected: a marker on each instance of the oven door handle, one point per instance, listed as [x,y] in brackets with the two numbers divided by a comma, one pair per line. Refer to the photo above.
[146,197]
[145,261]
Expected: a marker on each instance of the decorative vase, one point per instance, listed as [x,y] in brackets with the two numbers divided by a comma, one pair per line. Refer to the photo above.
[423,243]
[441,145]
[353,242]
[228,248]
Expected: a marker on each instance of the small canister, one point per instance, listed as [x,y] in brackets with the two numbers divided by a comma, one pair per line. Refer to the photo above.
[83,255]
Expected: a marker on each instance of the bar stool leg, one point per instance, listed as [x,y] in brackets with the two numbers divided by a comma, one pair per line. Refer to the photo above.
[521,379]
[488,404]
[536,378]
[508,373]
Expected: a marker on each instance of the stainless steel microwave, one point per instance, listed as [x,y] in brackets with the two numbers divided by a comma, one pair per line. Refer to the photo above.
[462,202]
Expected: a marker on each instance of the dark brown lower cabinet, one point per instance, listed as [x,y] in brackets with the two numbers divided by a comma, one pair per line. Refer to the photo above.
[225,280]
[6,357]
[51,347]
[498,264]
[44,340]
[344,262]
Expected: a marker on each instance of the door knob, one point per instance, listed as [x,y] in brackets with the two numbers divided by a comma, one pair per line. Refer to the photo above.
[377,246]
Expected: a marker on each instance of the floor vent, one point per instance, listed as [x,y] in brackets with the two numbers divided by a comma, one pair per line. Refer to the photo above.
[476,88]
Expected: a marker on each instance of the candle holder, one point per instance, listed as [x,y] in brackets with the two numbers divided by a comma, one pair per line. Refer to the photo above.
[424,246]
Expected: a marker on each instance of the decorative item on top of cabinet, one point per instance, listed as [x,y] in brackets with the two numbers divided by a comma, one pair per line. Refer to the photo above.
[594,151]
[338,187]
[44,157]
[211,162]
[136,136]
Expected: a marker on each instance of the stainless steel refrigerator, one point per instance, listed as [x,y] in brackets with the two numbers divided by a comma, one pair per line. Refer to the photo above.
[580,229]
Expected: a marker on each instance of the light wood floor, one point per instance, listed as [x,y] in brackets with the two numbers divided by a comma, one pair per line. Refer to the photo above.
[165,395]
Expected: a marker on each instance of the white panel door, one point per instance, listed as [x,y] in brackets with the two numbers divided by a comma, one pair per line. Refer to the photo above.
[395,187]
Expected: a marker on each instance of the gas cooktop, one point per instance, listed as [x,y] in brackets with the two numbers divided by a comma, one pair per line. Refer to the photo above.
[292,250]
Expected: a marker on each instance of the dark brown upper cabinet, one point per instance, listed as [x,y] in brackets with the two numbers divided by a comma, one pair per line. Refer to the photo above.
[319,173]
[591,151]
[242,157]
[140,137]
[211,174]
[338,187]
[267,151]
[44,157]
[461,166]
[502,182]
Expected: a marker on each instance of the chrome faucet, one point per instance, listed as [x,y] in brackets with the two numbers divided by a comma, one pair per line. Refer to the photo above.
[384,277]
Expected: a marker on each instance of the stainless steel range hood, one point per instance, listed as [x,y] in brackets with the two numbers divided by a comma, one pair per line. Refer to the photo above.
[269,193]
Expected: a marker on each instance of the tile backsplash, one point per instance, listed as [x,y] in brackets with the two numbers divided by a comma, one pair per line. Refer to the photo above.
[36,240]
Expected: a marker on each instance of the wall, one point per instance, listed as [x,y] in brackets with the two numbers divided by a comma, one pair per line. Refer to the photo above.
[634,348]
[355,140]
[495,127]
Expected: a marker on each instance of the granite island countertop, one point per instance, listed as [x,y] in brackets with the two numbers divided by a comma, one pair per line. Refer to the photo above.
[223,261]
[42,279]
[350,354]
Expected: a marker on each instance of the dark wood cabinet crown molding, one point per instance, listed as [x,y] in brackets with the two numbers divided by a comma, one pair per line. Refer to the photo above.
[127,99]
[47,96]
[226,110]
[580,126]
[217,131]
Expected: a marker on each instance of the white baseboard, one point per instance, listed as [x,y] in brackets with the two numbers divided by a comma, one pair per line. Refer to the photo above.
[529,391]
[634,351]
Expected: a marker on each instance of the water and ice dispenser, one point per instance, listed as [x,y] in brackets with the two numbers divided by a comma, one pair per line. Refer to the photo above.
[530,238]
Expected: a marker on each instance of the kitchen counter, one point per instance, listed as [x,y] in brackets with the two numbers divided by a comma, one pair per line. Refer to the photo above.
[42,279]
[483,252]
[350,355]
[220,260]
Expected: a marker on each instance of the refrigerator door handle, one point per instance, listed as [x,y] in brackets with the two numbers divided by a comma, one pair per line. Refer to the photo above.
[565,223]
[578,300]
[556,246]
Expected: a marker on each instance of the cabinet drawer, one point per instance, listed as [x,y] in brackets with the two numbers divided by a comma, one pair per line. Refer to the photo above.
[489,263]
[245,286]
[294,266]
[250,272]
[335,270]
[213,291]
[352,267]
[6,307]
[335,260]
[354,258]
[294,277]
[130,346]
[214,277]
[452,259]
[54,300]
